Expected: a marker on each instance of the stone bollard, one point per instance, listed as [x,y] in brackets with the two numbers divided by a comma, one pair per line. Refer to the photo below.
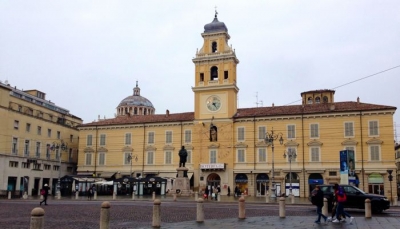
[174,196]
[9,195]
[200,210]
[196,195]
[114,195]
[59,194]
[156,213]
[242,208]
[25,196]
[41,197]
[218,197]
[95,195]
[154,196]
[325,207]
[133,195]
[37,218]
[105,215]
[76,195]
[293,199]
[267,198]
[395,201]
[367,208]
[282,211]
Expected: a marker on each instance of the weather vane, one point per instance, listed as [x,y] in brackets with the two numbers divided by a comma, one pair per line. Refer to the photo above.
[216,13]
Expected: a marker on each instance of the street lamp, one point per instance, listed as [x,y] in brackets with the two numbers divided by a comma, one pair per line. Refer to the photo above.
[130,159]
[270,138]
[58,147]
[291,154]
[390,179]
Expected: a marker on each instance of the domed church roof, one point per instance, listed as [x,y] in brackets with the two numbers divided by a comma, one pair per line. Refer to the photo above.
[215,26]
[136,99]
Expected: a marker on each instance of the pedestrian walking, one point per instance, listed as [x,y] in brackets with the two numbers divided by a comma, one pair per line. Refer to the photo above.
[317,198]
[341,198]
[333,214]
[237,191]
[229,191]
[206,193]
[90,193]
[45,193]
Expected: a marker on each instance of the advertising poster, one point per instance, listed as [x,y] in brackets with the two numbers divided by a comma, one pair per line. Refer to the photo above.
[344,167]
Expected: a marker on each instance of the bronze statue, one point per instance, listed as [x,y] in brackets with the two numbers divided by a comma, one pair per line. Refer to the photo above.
[182,156]
[213,133]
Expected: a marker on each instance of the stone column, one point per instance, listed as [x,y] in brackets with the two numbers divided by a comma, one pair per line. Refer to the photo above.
[368,214]
[9,195]
[156,213]
[242,208]
[105,215]
[76,195]
[282,211]
[200,211]
[37,218]
[154,196]
[133,195]
[95,195]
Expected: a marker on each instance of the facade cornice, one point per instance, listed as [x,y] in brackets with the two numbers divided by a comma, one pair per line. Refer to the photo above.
[349,142]
[216,87]
[168,147]
[241,145]
[291,143]
[374,141]
[127,149]
[130,126]
[150,148]
[314,143]
[213,146]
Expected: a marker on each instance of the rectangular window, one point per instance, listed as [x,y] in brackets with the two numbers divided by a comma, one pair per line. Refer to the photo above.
[48,151]
[373,128]
[102,139]
[291,131]
[28,127]
[150,138]
[15,146]
[49,133]
[315,154]
[39,130]
[37,166]
[58,135]
[57,154]
[26,148]
[102,158]
[150,158]
[314,131]
[213,156]
[201,77]
[375,155]
[25,165]
[88,159]
[71,138]
[189,157]
[168,137]
[240,155]
[38,149]
[89,140]
[226,74]
[46,167]
[168,157]
[128,138]
[348,129]
[127,158]
[240,133]
[16,124]
[262,130]
[56,167]
[188,136]
[262,155]
[70,155]
[13,164]
[332,173]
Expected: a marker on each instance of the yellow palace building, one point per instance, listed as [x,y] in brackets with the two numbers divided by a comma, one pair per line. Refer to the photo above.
[258,150]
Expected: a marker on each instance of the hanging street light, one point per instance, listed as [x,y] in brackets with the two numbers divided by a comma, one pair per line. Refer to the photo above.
[269,139]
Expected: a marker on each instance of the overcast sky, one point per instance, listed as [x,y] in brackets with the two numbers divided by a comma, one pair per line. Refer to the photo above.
[87,55]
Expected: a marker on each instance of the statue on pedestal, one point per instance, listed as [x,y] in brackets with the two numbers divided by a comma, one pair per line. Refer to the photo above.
[182,156]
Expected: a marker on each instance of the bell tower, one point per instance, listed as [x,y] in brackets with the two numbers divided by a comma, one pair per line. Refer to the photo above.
[215,90]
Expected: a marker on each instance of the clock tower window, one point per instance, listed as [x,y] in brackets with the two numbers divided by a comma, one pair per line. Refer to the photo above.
[214,73]
[214,47]
[226,74]
[201,77]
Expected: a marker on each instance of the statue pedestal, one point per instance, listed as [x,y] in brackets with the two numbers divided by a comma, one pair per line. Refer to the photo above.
[182,183]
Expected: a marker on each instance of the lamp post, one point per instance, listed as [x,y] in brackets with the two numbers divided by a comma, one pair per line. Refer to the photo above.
[291,154]
[130,159]
[390,179]
[58,147]
[269,139]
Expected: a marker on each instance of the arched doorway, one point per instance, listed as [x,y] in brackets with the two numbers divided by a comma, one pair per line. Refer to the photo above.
[375,184]
[262,181]
[213,180]
[314,179]
[241,181]
[292,180]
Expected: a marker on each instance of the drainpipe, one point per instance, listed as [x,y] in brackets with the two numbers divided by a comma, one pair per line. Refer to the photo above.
[255,157]
[95,154]
[362,153]
[304,170]
[144,146]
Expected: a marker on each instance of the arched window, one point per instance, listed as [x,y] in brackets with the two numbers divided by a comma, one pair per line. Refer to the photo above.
[214,73]
[214,47]
[309,100]
[325,99]
[317,100]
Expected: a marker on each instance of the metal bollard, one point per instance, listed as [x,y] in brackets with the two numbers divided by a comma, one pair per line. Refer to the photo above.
[325,207]
[95,195]
[37,218]
[282,211]
[154,196]
[200,210]
[174,195]
[156,213]
[367,208]
[105,215]
[133,195]
[76,195]
[196,195]
[9,195]
[242,208]
[267,198]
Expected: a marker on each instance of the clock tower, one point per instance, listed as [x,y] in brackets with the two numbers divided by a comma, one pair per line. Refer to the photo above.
[215,90]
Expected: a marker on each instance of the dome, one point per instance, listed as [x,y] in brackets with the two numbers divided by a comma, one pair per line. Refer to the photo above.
[135,104]
[215,26]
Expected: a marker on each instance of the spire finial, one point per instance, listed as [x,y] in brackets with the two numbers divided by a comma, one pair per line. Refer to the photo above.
[216,12]
[136,83]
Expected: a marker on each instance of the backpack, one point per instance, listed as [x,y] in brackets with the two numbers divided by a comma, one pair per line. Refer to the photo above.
[341,195]
[42,192]
[314,197]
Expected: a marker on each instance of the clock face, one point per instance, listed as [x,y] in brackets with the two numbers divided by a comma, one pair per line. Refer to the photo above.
[213,103]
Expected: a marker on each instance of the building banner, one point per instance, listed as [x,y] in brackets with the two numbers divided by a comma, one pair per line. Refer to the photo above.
[344,169]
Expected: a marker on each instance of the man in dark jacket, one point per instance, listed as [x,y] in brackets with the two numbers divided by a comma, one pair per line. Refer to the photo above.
[318,200]
[45,194]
